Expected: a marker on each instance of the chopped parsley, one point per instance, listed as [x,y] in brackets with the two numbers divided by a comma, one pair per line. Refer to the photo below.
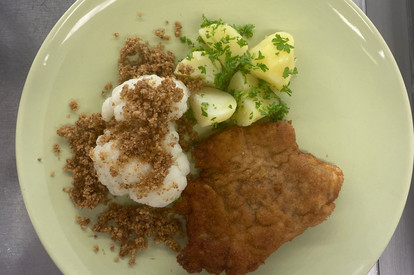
[207,22]
[204,106]
[230,107]
[186,40]
[288,72]
[202,69]
[244,30]
[282,43]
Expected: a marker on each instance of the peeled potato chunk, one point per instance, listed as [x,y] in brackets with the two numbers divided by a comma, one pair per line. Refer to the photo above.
[199,65]
[225,34]
[211,106]
[276,60]
[251,101]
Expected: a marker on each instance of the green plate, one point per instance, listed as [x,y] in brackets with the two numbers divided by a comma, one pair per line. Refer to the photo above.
[349,107]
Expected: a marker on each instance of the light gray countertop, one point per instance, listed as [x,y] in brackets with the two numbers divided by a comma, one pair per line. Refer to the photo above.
[24,25]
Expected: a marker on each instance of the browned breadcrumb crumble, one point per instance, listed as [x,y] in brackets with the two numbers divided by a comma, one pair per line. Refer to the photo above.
[116,34]
[96,248]
[73,104]
[138,59]
[161,34]
[185,69]
[83,222]
[167,22]
[149,108]
[177,29]
[52,174]
[193,84]
[39,159]
[187,137]
[87,191]
[139,15]
[130,226]
[56,149]
[108,86]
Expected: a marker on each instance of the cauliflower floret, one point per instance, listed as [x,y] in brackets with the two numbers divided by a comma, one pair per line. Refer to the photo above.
[117,176]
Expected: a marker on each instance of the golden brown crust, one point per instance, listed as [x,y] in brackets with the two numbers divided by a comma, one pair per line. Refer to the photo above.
[255,192]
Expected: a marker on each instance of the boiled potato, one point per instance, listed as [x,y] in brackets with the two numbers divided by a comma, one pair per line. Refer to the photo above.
[276,60]
[218,33]
[202,67]
[211,106]
[249,106]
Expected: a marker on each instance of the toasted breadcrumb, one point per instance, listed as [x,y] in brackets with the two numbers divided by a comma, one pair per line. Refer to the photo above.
[167,22]
[82,221]
[150,60]
[177,29]
[193,84]
[150,107]
[187,137]
[128,226]
[139,15]
[87,191]
[132,225]
[56,149]
[52,174]
[161,34]
[116,34]
[73,104]
[185,69]
[108,86]
[39,159]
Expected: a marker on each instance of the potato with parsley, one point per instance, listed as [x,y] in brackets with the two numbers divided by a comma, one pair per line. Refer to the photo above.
[197,64]
[220,36]
[278,54]
[255,99]
[211,106]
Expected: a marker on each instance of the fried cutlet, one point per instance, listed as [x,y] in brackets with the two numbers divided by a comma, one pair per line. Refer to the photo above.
[256,191]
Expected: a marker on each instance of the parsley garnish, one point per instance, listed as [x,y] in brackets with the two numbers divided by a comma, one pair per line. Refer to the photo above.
[189,56]
[244,30]
[207,22]
[231,107]
[275,111]
[288,72]
[204,106]
[242,42]
[286,89]
[282,43]
[202,69]
[186,40]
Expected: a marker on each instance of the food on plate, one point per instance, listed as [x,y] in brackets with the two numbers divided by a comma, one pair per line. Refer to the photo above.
[139,153]
[256,78]
[255,100]
[279,57]
[222,107]
[255,192]
[211,106]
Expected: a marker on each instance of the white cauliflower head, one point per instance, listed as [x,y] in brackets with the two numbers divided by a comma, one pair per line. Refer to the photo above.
[120,176]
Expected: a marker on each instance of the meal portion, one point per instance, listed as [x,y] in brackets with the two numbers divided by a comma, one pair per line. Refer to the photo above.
[221,109]
[256,191]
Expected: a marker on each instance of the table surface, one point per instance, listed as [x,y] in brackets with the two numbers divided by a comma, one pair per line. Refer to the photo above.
[24,25]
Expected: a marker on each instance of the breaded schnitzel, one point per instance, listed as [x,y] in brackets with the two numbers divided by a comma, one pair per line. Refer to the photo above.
[255,192]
